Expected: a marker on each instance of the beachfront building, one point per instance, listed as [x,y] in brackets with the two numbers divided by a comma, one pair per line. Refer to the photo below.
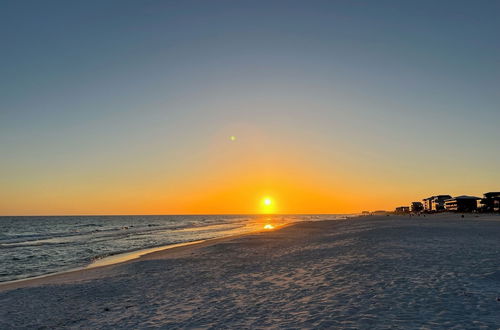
[462,204]
[435,203]
[490,202]
[416,207]
[427,203]
[402,209]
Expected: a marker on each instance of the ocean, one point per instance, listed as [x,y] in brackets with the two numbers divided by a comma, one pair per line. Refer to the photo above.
[38,245]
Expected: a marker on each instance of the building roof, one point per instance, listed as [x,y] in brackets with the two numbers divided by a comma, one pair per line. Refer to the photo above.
[463,197]
[436,196]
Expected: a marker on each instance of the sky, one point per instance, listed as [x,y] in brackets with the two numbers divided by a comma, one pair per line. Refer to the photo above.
[127,107]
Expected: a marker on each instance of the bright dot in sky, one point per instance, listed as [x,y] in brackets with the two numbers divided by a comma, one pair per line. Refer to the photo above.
[268,226]
[232,138]
[267,201]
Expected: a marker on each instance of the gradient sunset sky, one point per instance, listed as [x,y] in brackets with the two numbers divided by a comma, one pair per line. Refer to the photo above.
[127,107]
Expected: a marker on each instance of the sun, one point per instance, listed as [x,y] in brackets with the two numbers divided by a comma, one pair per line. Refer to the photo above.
[267,205]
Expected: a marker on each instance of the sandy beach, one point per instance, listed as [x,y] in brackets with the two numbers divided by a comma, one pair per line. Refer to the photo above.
[438,271]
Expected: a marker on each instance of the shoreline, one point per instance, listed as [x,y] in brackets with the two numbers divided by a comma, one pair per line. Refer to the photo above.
[110,260]
[150,253]
[127,257]
[375,272]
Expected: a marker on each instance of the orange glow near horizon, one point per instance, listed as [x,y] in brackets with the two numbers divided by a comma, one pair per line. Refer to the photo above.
[222,178]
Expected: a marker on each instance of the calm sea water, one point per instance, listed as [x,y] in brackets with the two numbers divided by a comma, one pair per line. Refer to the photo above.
[33,246]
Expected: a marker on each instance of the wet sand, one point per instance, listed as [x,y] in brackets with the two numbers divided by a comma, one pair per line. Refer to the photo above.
[370,272]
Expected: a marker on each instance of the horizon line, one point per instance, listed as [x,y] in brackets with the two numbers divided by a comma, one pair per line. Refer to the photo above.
[162,214]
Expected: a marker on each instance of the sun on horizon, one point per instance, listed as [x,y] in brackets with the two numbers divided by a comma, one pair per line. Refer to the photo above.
[267,205]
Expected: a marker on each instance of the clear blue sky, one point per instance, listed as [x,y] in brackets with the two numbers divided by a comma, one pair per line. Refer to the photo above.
[98,93]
